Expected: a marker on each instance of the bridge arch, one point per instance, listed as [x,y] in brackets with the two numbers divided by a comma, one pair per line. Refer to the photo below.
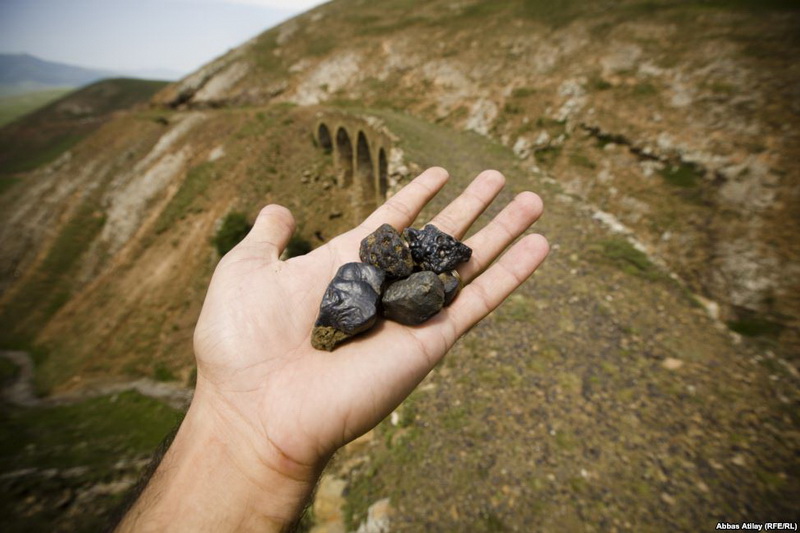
[344,157]
[383,173]
[360,147]
[324,138]
[366,172]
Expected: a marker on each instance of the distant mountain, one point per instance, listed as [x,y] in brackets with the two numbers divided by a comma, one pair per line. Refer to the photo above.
[21,73]
[27,70]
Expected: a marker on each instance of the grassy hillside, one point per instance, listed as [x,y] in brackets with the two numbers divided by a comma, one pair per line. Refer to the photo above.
[67,468]
[44,134]
[15,106]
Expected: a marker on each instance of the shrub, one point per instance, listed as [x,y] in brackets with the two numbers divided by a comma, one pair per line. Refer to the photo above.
[297,246]
[231,232]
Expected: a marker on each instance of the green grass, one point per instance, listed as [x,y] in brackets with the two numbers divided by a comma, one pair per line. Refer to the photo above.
[44,134]
[8,370]
[26,158]
[14,106]
[523,92]
[194,185]
[94,434]
[580,160]
[644,90]
[512,109]
[263,54]
[7,183]
[298,245]
[548,155]
[624,256]
[320,45]
[599,84]
[552,12]
[683,175]
[161,372]
[752,325]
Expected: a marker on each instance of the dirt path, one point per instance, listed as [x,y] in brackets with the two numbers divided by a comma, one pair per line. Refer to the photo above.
[21,391]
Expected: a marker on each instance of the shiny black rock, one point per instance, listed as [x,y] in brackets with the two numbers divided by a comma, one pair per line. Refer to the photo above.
[433,249]
[349,305]
[415,299]
[386,249]
[361,272]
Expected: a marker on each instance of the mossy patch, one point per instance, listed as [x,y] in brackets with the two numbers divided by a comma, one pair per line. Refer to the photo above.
[683,175]
[523,92]
[750,324]
[627,258]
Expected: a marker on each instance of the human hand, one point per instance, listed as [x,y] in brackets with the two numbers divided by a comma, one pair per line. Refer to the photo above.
[276,407]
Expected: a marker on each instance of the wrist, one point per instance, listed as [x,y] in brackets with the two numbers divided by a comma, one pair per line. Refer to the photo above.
[216,476]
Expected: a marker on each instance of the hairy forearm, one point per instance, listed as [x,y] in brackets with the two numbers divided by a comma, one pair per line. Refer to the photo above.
[209,480]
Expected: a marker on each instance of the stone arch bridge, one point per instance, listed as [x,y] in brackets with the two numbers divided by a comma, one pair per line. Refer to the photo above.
[361,147]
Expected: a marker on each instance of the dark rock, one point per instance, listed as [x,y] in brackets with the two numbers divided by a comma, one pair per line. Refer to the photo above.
[361,272]
[415,299]
[451,282]
[349,306]
[386,249]
[432,249]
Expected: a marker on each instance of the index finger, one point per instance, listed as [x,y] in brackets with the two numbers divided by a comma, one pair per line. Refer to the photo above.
[401,209]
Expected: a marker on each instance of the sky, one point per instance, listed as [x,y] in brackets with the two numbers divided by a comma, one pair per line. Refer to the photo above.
[134,35]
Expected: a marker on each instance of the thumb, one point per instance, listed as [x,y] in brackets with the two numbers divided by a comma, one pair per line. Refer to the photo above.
[271,231]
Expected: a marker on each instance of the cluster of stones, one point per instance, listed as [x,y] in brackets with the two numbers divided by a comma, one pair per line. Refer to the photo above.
[406,277]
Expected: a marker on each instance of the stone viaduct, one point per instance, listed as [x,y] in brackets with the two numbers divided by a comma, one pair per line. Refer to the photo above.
[360,146]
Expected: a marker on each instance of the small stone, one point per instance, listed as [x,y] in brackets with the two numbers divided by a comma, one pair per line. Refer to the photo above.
[451,281]
[329,500]
[414,300]
[361,272]
[670,363]
[432,249]
[386,249]
[379,516]
[349,306]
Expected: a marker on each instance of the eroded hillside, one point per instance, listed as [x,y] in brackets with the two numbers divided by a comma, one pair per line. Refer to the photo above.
[680,119]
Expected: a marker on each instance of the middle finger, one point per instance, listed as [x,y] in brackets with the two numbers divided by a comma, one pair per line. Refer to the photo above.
[458,216]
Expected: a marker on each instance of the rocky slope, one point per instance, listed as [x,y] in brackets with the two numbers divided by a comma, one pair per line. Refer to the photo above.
[700,98]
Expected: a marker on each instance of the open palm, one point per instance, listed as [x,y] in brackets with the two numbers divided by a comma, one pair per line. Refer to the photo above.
[252,341]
